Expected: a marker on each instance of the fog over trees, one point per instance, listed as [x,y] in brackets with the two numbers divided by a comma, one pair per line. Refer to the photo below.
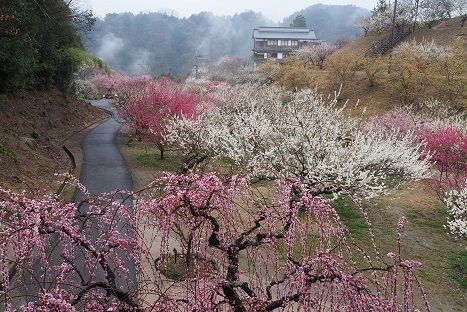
[159,43]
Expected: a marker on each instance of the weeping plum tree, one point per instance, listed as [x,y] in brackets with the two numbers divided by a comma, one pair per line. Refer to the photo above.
[284,250]
[59,256]
[290,252]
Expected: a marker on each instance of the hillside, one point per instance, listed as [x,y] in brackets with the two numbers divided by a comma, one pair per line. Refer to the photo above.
[443,32]
[378,99]
[33,126]
[331,22]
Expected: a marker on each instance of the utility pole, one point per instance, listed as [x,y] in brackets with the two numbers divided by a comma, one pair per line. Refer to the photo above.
[393,24]
[197,59]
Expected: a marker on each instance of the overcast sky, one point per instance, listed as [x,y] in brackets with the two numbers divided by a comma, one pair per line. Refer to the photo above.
[275,10]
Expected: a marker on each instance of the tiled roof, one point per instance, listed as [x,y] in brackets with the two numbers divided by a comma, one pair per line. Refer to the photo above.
[292,33]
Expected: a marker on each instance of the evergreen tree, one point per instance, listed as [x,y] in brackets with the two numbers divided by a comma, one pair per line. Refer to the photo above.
[35,42]
[299,21]
[381,6]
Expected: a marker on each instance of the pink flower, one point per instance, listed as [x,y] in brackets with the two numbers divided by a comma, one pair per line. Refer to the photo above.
[392,255]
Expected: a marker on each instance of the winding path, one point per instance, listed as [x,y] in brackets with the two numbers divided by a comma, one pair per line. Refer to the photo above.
[103,171]
[104,168]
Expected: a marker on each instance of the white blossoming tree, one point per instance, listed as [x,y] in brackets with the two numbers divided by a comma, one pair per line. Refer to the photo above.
[456,202]
[432,10]
[297,134]
[316,53]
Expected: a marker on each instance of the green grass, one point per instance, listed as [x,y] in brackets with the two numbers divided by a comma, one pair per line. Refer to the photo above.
[170,162]
[432,219]
[351,216]
[9,154]
[458,266]
[227,161]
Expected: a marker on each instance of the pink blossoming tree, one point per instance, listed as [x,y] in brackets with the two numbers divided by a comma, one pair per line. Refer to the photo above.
[448,148]
[250,251]
[67,257]
[155,104]
[445,146]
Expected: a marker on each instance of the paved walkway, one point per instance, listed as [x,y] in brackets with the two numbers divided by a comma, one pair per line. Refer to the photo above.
[104,168]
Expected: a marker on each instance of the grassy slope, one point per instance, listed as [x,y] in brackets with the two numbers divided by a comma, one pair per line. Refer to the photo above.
[378,100]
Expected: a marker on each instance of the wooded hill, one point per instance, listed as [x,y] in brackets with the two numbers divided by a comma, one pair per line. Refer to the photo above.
[154,43]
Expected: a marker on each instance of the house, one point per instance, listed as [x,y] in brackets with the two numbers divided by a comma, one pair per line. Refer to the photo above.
[279,42]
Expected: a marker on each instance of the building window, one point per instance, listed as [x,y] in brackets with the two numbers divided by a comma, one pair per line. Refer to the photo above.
[294,43]
[272,42]
[260,44]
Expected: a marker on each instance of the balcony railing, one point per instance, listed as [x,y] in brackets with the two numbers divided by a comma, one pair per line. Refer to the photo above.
[280,49]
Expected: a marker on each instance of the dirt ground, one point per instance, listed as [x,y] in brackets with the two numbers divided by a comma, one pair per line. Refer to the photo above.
[33,127]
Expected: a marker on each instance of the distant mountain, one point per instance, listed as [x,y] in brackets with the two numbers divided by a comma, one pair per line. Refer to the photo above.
[158,43]
[330,22]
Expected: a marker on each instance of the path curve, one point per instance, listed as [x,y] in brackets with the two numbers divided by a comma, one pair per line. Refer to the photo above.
[104,168]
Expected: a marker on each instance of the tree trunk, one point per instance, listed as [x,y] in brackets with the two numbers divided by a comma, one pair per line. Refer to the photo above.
[188,254]
[161,148]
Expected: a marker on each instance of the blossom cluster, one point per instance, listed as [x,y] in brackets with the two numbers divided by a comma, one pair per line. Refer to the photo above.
[297,134]
[456,202]
[63,255]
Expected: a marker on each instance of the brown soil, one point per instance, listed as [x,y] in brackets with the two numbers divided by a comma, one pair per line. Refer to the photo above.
[33,127]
